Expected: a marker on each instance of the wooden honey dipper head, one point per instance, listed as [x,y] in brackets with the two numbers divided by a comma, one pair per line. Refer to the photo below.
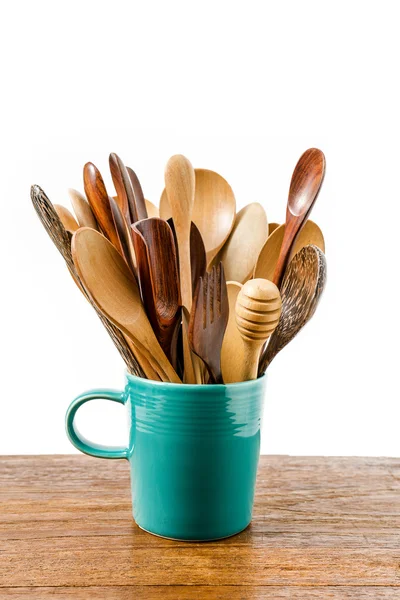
[258,309]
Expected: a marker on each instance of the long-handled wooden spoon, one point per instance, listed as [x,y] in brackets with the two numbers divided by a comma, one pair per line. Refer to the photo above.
[180,186]
[302,286]
[306,182]
[232,345]
[140,202]
[113,288]
[248,236]
[158,278]
[258,308]
[66,218]
[214,210]
[82,210]
[62,240]
[97,196]
[268,257]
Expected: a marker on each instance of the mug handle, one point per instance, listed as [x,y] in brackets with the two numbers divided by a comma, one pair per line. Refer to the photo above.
[78,440]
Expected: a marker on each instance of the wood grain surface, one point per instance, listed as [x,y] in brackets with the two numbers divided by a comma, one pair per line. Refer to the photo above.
[322,528]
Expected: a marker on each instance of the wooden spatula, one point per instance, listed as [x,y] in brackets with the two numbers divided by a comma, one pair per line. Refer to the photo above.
[158,277]
[114,289]
[306,182]
[209,319]
[258,308]
[301,290]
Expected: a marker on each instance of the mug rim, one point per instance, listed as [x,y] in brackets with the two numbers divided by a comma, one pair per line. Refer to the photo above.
[196,386]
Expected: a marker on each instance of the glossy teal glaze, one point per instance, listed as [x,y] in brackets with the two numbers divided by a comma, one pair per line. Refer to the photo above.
[193,453]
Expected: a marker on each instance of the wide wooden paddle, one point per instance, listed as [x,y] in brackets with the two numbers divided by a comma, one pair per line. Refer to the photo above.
[180,187]
[82,210]
[248,236]
[306,182]
[258,308]
[301,290]
[232,345]
[114,289]
[158,276]
[62,240]
[269,255]
[97,196]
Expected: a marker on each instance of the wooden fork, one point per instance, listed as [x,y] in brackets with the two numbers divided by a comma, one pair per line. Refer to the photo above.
[208,320]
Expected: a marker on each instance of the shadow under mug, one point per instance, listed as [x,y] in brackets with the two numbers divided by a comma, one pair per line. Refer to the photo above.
[193,452]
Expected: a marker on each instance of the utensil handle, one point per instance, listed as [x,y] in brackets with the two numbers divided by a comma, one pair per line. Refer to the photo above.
[78,440]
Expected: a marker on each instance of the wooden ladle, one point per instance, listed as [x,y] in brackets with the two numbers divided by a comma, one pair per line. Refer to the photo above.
[306,182]
[301,290]
[113,288]
[258,309]
[214,210]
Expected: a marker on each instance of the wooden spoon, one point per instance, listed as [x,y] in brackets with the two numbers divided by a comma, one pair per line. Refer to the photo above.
[82,210]
[302,286]
[248,236]
[306,182]
[180,186]
[62,240]
[198,259]
[140,202]
[268,257]
[124,235]
[152,209]
[113,288]
[158,278]
[258,308]
[97,196]
[214,210]
[66,218]
[124,189]
[232,345]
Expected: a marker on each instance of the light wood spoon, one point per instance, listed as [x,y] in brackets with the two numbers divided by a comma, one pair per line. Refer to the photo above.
[66,218]
[248,236]
[302,286]
[306,182]
[152,209]
[214,210]
[272,227]
[180,187]
[232,345]
[258,308]
[82,210]
[97,196]
[113,288]
[268,257]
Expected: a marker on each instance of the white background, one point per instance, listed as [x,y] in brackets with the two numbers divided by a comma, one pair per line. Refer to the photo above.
[242,88]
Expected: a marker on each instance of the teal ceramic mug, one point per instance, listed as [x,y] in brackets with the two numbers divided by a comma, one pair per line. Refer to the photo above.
[193,452]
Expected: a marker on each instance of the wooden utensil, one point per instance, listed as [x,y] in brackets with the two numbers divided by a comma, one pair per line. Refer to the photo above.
[113,288]
[61,240]
[152,209]
[306,182]
[82,210]
[214,210]
[124,189]
[140,202]
[208,320]
[272,227]
[97,196]
[302,286]
[198,259]
[124,235]
[158,278]
[180,185]
[258,308]
[232,345]
[66,218]
[248,236]
[268,257]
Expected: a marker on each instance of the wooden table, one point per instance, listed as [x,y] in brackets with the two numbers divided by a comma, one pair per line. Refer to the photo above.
[322,528]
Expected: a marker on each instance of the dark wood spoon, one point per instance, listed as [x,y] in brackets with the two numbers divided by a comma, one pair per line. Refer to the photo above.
[306,182]
[124,235]
[302,286]
[123,187]
[140,202]
[98,199]
[198,257]
[158,276]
